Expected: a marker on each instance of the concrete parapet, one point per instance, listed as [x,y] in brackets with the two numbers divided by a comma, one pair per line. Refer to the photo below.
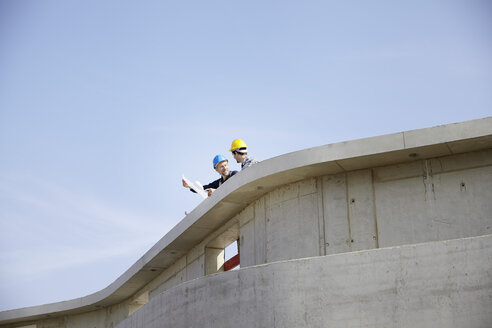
[438,284]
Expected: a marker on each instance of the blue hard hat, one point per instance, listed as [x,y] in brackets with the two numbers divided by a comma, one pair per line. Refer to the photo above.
[218,159]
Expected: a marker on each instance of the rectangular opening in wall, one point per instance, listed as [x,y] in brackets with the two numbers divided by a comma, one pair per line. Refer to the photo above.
[221,254]
[232,259]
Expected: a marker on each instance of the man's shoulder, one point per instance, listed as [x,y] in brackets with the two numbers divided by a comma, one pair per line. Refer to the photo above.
[251,160]
[248,161]
[233,172]
[214,184]
[216,181]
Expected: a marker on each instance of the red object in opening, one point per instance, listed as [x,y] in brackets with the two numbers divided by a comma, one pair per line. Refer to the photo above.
[231,263]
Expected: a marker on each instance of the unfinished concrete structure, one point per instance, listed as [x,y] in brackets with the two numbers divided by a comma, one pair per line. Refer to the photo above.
[390,231]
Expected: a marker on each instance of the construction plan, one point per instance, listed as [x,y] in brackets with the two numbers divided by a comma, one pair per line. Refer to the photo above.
[197,187]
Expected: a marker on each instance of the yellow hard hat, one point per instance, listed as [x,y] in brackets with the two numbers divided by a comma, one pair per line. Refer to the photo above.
[238,143]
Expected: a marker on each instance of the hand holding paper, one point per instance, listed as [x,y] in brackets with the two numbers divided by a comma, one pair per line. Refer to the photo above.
[196,186]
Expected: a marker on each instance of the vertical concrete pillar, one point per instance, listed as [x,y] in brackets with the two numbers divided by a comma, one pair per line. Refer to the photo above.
[361,210]
[247,244]
[335,210]
[260,231]
[214,260]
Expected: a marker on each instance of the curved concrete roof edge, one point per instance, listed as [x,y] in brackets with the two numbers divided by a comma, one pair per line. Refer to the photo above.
[257,180]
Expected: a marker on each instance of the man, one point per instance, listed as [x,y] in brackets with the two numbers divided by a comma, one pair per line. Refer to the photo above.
[221,165]
[240,153]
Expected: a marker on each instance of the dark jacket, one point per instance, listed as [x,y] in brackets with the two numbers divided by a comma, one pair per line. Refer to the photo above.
[217,183]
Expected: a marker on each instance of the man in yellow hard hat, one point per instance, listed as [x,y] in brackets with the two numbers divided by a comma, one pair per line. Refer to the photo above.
[240,153]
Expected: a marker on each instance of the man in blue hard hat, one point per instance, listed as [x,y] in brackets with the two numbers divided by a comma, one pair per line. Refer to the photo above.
[221,165]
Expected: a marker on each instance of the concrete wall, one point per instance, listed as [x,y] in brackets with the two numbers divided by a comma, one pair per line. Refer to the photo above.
[439,284]
[425,200]
[105,317]
[436,199]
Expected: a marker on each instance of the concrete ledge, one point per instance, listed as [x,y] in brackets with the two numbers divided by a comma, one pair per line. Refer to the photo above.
[438,284]
[251,184]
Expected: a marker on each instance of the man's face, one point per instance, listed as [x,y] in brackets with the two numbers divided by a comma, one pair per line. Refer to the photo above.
[236,156]
[222,168]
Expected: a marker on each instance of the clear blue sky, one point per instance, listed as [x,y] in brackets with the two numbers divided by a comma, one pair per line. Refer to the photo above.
[104,104]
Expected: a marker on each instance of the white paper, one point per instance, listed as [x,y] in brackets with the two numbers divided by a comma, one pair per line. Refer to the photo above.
[196,186]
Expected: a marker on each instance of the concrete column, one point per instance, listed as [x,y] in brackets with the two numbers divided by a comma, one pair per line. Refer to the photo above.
[214,260]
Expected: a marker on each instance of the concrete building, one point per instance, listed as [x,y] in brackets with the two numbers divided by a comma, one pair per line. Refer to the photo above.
[389,231]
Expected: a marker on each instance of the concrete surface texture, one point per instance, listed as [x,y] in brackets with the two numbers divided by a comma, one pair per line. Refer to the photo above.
[420,186]
[439,284]
[427,200]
